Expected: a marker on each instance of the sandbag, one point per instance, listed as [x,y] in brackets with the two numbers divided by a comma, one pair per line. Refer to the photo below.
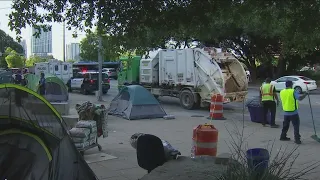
[82,145]
[89,124]
[79,132]
[92,141]
[79,140]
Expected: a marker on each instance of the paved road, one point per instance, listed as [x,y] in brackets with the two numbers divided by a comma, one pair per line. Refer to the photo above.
[171,105]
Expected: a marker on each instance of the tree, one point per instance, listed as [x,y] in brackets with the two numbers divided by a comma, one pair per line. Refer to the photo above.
[5,42]
[89,48]
[71,61]
[36,59]
[255,29]
[13,59]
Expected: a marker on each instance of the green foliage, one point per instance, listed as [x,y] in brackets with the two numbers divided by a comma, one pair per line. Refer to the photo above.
[71,61]
[315,75]
[253,29]
[13,59]
[5,42]
[36,59]
[89,48]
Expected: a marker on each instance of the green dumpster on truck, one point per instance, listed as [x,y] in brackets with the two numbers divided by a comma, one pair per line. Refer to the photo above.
[129,71]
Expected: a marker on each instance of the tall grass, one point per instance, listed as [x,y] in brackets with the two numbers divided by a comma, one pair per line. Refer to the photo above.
[281,164]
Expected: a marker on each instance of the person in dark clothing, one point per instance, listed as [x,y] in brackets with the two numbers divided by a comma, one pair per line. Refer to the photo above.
[268,95]
[42,85]
[289,98]
[18,77]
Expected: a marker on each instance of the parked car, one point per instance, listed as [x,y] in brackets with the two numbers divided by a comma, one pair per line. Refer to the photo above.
[300,83]
[112,72]
[89,84]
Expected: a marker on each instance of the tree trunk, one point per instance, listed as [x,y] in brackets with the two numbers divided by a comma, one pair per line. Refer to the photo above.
[281,68]
[253,73]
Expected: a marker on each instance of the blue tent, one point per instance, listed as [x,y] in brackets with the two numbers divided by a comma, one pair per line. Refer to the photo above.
[136,102]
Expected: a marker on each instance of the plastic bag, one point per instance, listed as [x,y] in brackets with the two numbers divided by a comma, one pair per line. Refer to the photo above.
[253,102]
[170,152]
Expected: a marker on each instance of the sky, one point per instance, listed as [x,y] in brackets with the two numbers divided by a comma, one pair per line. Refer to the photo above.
[57,32]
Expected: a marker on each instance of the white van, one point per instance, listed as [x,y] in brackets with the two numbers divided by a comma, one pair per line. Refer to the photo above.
[62,70]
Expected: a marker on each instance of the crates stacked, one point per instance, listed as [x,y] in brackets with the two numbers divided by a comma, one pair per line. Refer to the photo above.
[84,133]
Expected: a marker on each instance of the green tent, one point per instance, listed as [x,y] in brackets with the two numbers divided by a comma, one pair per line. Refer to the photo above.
[34,140]
[136,102]
[56,90]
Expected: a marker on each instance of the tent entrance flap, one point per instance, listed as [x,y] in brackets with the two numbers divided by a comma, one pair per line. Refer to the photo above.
[14,147]
[20,160]
[135,102]
[35,145]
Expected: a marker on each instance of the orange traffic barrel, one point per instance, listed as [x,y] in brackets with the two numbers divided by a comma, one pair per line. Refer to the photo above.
[216,107]
[205,139]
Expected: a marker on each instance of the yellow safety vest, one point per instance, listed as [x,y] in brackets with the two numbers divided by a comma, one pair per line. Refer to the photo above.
[289,103]
[267,92]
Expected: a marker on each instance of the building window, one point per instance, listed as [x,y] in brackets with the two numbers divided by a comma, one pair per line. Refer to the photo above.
[56,68]
[65,67]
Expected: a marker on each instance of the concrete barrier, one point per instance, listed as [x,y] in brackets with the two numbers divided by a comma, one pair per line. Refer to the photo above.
[61,107]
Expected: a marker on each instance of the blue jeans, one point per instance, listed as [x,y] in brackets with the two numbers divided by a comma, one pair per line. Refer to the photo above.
[296,125]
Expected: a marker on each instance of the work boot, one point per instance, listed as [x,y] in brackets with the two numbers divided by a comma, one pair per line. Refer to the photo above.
[297,141]
[274,126]
[285,139]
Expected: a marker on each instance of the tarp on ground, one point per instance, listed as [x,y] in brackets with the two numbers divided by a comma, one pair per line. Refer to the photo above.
[56,90]
[135,102]
[34,141]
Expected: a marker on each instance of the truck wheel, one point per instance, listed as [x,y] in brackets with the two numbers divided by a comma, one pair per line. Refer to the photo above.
[197,104]
[187,100]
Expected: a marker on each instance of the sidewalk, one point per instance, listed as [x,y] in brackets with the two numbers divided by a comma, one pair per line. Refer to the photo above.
[179,133]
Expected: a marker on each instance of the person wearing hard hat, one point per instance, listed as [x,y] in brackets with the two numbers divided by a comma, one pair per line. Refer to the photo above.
[289,98]
[268,95]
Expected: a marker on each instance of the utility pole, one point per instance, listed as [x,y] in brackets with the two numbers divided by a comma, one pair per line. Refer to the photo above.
[64,41]
[100,60]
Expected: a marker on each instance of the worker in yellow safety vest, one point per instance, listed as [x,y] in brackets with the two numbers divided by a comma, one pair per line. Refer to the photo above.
[268,95]
[289,98]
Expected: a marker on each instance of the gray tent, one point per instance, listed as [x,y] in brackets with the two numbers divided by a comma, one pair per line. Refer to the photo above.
[136,102]
[6,77]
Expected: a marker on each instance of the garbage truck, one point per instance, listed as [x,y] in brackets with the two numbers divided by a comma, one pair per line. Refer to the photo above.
[193,75]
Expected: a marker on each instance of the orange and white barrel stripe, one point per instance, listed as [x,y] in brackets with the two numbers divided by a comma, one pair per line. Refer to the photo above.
[216,107]
[205,140]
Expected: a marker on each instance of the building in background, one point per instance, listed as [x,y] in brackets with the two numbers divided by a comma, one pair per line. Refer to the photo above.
[23,43]
[42,45]
[73,51]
